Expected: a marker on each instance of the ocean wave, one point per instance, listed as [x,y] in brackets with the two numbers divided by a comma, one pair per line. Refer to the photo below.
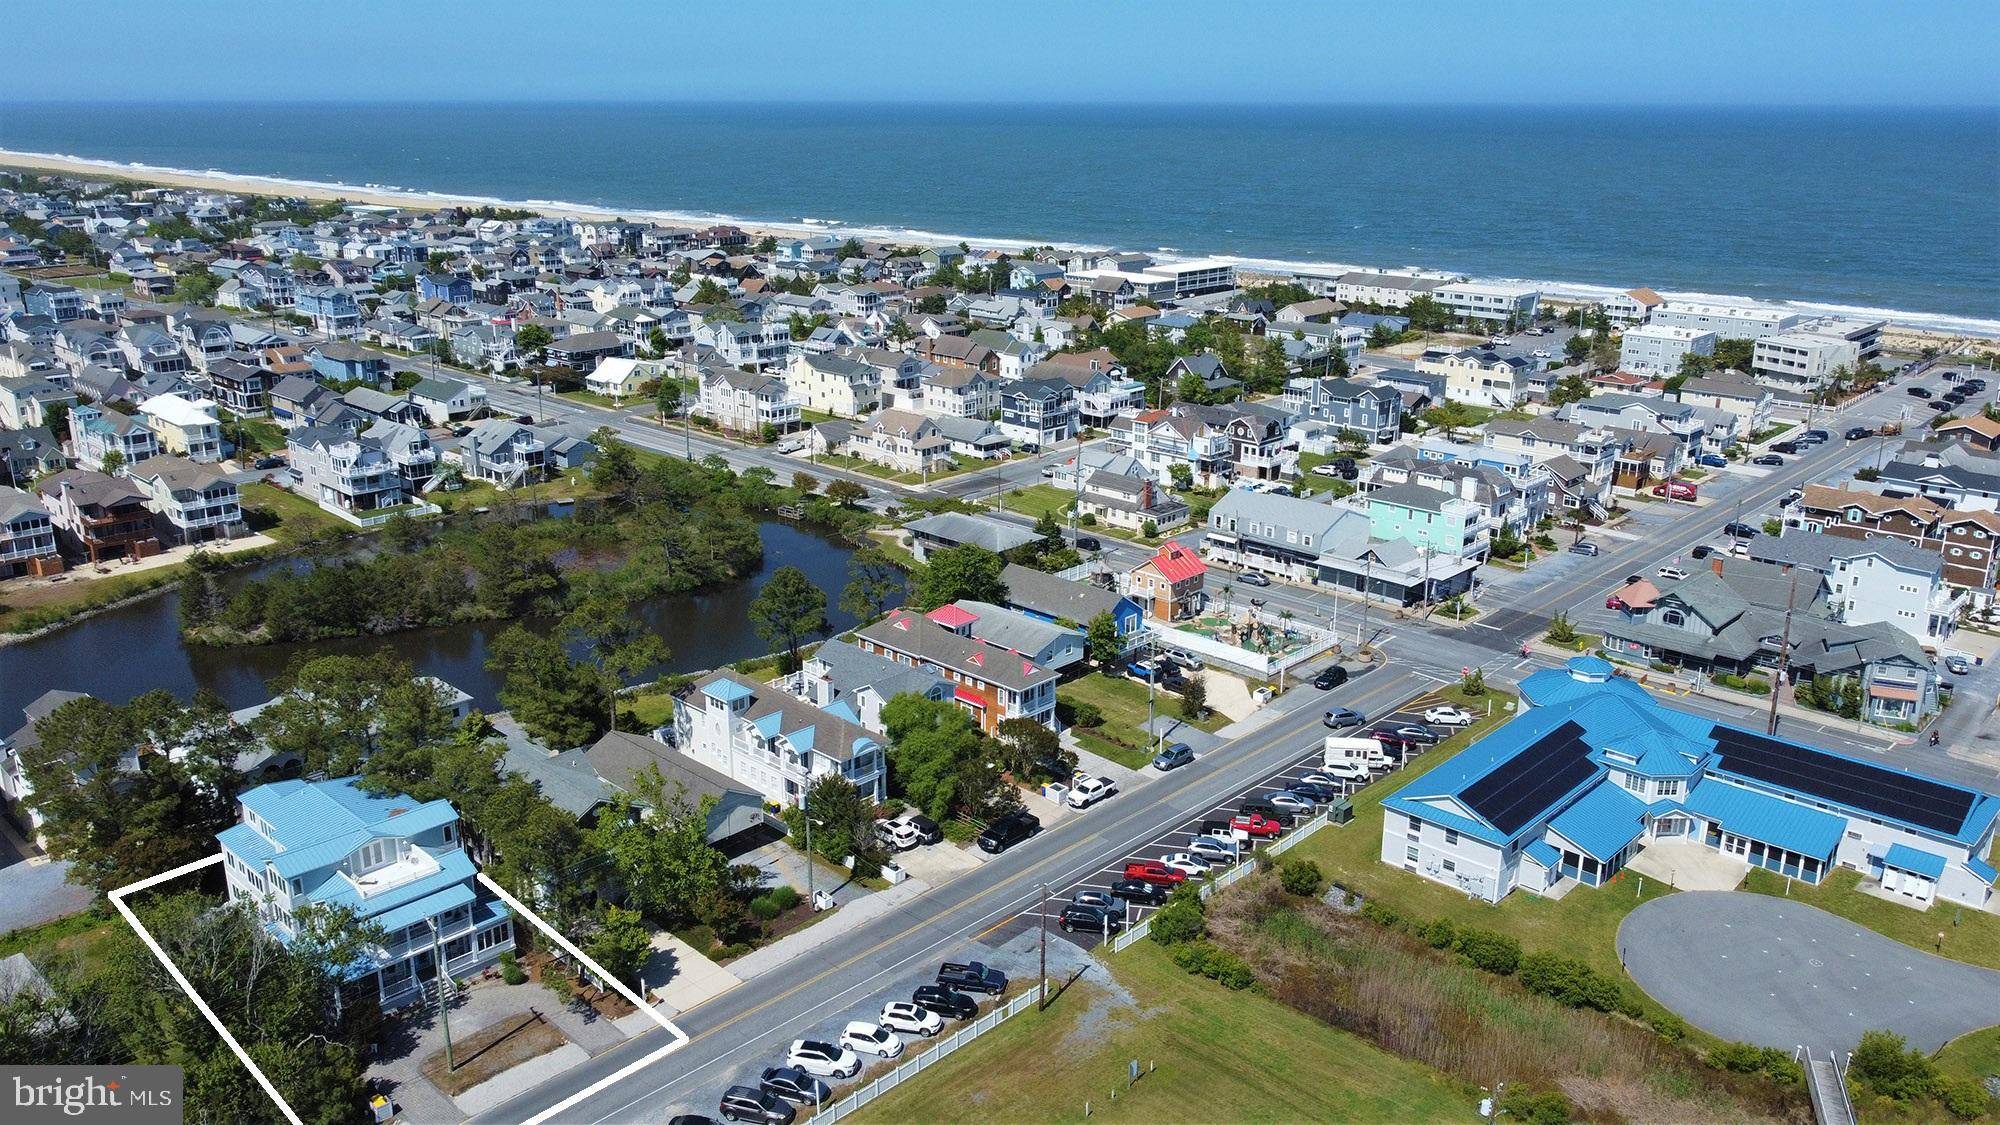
[1566,290]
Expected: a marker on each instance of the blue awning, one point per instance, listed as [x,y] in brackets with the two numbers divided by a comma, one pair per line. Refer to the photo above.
[1602,821]
[1542,852]
[1983,869]
[1902,857]
[1768,819]
[430,906]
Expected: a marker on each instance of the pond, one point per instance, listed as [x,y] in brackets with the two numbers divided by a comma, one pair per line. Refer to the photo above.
[136,648]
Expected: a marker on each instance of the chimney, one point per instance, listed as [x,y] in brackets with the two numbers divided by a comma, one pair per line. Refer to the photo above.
[1468,487]
[1715,564]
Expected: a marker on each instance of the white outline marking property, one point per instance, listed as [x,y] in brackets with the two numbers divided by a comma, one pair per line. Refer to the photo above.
[680,1037]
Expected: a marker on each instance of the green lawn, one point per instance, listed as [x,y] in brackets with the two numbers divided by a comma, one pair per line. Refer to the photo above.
[297,516]
[1122,737]
[1973,1055]
[255,435]
[592,398]
[96,281]
[1036,499]
[1219,1055]
[1969,935]
[651,709]
[856,464]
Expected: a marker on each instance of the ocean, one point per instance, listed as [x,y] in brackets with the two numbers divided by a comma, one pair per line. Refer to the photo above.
[1882,212]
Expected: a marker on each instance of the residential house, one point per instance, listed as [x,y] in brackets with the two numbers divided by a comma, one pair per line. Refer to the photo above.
[1734,392]
[1883,579]
[1207,368]
[58,302]
[337,362]
[1511,490]
[1104,394]
[95,432]
[445,401]
[333,310]
[1977,432]
[343,473]
[398,864]
[1433,521]
[1547,440]
[509,453]
[484,347]
[775,743]
[1281,536]
[1169,586]
[900,440]
[1491,303]
[1479,377]
[185,427]
[1634,306]
[957,351]
[1616,770]
[150,351]
[991,683]
[99,517]
[621,761]
[747,345]
[845,680]
[957,529]
[27,536]
[444,287]
[27,454]
[619,378]
[410,449]
[404,335]
[1963,539]
[960,392]
[1131,501]
[1048,597]
[585,350]
[834,384]
[25,401]
[1038,413]
[1384,290]
[1046,643]
[239,387]
[1950,472]
[196,503]
[1659,349]
[1645,413]
[1323,408]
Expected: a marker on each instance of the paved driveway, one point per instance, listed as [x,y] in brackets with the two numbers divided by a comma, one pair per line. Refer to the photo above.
[1781,974]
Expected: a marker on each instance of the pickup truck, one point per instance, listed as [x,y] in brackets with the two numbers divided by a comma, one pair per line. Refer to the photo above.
[971,976]
[1256,824]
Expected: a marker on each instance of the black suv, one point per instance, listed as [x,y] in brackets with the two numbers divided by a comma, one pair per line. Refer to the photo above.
[946,1002]
[793,1085]
[1008,831]
[1090,919]
[1332,677]
[747,1103]
[1140,891]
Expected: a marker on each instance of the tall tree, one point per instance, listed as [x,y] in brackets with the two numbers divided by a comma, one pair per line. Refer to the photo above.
[966,571]
[1101,638]
[621,943]
[558,700]
[657,841]
[613,468]
[788,610]
[874,583]
[532,342]
[941,762]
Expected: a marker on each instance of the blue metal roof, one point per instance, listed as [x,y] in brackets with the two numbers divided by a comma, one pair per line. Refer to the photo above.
[1902,857]
[453,867]
[1552,687]
[840,709]
[429,906]
[1773,820]
[728,691]
[1602,821]
[1544,853]
[769,725]
[1983,869]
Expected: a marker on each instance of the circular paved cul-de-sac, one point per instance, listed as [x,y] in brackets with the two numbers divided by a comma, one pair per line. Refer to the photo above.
[1782,974]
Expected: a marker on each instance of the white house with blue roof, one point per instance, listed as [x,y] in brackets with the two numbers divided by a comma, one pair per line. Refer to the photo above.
[396,862]
[776,743]
[1594,769]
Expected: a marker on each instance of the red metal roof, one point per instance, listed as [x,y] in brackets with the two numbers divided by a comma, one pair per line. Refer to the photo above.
[1178,564]
[966,696]
[952,616]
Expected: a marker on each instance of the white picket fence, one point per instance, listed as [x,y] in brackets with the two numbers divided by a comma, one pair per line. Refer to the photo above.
[1249,864]
[936,1052]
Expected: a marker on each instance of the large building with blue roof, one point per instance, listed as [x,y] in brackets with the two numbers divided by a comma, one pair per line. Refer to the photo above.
[396,862]
[1594,769]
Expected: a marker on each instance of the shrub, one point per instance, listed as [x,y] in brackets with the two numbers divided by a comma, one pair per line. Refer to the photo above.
[1540,1107]
[1473,683]
[1087,714]
[1300,877]
[510,968]
[784,895]
[1964,1097]
[1183,919]
[1484,949]
[1670,1027]
[1569,981]
[764,908]
[1882,1063]
[1440,933]
[1217,964]
[1748,1058]
[1385,916]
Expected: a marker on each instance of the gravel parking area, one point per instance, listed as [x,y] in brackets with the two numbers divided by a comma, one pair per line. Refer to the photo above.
[1764,970]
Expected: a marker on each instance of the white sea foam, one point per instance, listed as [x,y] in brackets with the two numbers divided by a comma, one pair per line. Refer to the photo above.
[1572,290]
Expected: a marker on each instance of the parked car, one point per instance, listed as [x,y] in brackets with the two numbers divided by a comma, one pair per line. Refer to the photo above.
[1089,790]
[1785,447]
[1700,551]
[1252,578]
[824,1059]
[1917,392]
[972,976]
[1816,436]
[793,1085]
[1091,919]
[1325,470]
[1681,490]
[1856,433]
[1258,824]
[1412,732]
[1188,864]
[946,1002]
[1672,573]
[928,831]
[1186,661]
[1007,831]
[1173,757]
[1957,665]
[911,1018]
[747,1103]
[1151,672]
[1215,848]
[865,1038]
[1342,717]
[1155,872]
[1739,530]
[1585,547]
[1615,602]
[1292,801]
[1319,792]
[896,835]
[1771,460]
[269,463]
[1088,543]
[1444,714]
[1331,677]
[1141,891]
[1713,461]
[1544,353]
[1091,896]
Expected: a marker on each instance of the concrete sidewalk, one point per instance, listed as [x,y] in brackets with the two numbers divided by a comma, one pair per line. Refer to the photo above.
[848,918]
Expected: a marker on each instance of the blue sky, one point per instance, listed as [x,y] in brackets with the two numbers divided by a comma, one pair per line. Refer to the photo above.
[1831,52]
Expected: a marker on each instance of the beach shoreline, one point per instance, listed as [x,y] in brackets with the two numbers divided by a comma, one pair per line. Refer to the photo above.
[1915,327]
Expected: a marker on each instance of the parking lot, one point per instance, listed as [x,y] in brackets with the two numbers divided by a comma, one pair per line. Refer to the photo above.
[1179,838]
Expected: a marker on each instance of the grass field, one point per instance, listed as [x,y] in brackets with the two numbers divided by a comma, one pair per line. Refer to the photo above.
[297,516]
[1969,935]
[1220,1055]
[1123,738]
[1039,498]
[651,709]
[1974,1055]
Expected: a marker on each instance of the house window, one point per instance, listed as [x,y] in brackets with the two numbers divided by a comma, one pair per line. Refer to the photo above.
[1633,782]
[490,938]
[1670,788]
[1450,865]
[1410,853]
[1673,617]
[1451,835]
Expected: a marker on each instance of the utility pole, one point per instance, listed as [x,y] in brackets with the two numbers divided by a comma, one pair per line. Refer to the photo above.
[805,811]
[444,1010]
[1784,652]
[1043,914]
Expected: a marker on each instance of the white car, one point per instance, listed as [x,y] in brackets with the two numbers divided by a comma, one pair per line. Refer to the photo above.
[823,1059]
[1215,848]
[1448,716]
[1087,791]
[1544,353]
[911,1019]
[1188,863]
[1499,341]
[900,835]
[865,1038]
[1325,471]
[1672,573]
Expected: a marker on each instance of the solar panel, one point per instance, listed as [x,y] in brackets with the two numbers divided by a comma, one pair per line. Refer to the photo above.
[1914,800]
[1531,780]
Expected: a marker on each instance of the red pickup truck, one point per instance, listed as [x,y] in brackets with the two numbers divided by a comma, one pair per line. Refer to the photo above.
[1256,824]
[1153,871]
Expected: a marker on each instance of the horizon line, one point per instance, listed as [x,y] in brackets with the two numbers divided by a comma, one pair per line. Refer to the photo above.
[1108,103]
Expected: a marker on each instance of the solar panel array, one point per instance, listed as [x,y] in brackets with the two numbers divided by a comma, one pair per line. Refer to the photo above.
[1531,780]
[1915,800]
